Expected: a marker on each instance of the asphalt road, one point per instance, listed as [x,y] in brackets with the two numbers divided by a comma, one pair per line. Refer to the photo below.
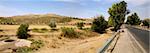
[142,36]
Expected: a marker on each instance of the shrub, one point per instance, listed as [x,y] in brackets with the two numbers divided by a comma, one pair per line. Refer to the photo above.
[35,29]
[80,25]
[69,32]
[44,29]
[146,22]
[22,31]
[23,50]
[52,24]
[99,24]
[36,44]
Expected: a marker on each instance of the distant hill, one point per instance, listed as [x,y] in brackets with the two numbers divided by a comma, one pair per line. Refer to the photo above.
[37,19]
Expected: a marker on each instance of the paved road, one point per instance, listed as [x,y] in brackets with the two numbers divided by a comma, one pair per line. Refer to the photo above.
[142,36]
[126,44]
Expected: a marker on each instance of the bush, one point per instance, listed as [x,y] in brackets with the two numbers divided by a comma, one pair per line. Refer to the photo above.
[22,31]
[80,25]
[23,50]
[146,22]
[44,29]
[36,44]
[69,32]
[35,29]
[52,24]
[99,24]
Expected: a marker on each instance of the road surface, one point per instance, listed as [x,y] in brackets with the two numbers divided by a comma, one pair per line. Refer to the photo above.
[126,44]
[142,36]
[132,40]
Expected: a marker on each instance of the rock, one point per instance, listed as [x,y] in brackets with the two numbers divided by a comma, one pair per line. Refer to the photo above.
[22,43]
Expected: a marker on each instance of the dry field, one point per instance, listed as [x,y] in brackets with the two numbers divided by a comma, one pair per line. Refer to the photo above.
[54,43]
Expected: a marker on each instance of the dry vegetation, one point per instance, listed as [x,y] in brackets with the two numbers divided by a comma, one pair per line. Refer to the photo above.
[65,38]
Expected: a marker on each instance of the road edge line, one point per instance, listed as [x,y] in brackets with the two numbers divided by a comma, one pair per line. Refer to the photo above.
[144,51]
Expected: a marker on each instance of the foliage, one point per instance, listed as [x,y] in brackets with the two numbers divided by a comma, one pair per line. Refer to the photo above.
[36,44]
[23,50]
[99,24]
[22,31]
[42,30]
[52,24]
[80,25]
[7,21]
[117,14]
[110,21]
[65,19]
[35,29]
[146,22]
[69,32]
[133,19]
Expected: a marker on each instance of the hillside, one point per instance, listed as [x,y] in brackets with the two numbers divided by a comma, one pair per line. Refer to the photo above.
[38,19]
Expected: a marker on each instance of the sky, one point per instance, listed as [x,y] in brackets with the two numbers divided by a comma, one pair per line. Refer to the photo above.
[75,8]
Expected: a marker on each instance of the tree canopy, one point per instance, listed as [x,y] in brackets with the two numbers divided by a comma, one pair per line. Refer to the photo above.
[133,19]
[146,22]
[99,24]
[22,31]
[117,13]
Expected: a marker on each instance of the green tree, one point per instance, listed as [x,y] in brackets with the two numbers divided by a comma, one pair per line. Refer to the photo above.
[117,13]
[22,31]
[99,24]
[146,22]
[80,25]
[52,24]
[133,19]
[110,21]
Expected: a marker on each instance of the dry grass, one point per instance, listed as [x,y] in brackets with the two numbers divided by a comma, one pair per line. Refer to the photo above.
[54,43]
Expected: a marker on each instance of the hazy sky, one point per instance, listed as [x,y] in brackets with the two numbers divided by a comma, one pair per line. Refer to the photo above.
[77,8]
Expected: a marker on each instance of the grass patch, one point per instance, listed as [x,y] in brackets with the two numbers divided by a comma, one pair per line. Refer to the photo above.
[42,30]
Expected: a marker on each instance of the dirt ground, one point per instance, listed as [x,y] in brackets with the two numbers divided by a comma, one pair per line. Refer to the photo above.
[64,45]
[56,44]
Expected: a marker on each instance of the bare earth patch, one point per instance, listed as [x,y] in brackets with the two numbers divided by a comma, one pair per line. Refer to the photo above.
[65,45]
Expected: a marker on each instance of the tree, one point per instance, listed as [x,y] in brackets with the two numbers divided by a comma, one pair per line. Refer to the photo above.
[117,13]
[22,31]
[52,24]
[133,19]
[99,24]
[80,25]
[146,22]
[110,21]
